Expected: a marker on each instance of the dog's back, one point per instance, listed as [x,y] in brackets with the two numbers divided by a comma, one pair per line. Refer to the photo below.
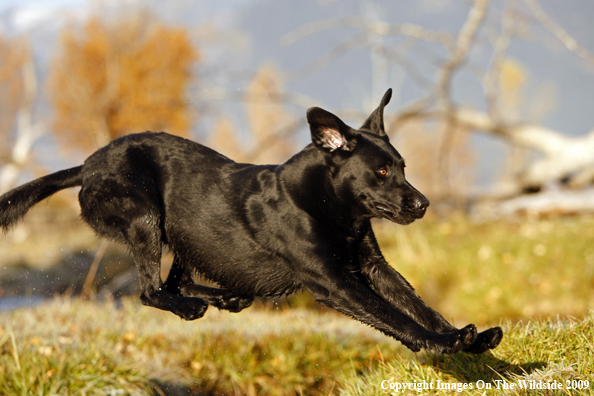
[149,189]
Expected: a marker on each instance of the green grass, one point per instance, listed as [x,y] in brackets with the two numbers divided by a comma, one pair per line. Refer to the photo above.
[545,351]
[78,347]
[73,347]
[519,274]
[483,273]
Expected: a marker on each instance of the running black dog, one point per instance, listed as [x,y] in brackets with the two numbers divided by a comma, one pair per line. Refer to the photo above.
[261,230]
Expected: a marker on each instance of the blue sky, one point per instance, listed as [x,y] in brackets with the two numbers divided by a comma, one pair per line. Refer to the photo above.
[4,4]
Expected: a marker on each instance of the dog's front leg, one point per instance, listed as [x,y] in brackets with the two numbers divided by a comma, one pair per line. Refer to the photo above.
[387,283]
[345,293]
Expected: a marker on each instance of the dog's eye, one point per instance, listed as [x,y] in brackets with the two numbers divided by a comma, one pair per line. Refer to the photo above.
[382,171]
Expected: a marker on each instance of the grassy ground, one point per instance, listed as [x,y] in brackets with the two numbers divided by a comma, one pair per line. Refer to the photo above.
[550,353]
[72,347]
[473,273]
[483,273]
[76,347]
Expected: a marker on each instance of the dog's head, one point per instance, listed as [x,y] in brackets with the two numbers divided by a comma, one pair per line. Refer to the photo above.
[365,170]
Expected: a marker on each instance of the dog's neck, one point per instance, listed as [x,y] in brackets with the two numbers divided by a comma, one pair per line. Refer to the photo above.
[316,195]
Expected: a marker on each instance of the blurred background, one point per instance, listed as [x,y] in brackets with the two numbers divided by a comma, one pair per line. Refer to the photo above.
[493,110]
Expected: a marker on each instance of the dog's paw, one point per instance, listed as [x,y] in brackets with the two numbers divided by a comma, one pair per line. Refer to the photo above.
[232,303]
[462,339]
[468,334]
[237,303]
[486,340]
[191,310]
[447,343]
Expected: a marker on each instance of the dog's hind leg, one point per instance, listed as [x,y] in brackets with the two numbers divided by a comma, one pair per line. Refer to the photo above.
[175,276]
[144,238]
[130,215]
[180,282]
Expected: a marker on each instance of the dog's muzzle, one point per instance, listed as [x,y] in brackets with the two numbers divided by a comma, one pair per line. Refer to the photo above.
[413,208]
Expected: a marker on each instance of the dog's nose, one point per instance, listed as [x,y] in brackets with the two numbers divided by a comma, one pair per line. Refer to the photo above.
[421,204]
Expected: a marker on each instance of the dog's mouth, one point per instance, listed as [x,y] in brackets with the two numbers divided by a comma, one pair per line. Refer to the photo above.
[385,212]
[390,214]
[399,216]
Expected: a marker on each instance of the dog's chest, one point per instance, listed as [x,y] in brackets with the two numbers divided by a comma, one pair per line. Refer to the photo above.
[257,274]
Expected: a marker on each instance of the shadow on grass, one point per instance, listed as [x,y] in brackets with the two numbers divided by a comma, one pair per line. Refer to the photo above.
[485,367]
[161,388]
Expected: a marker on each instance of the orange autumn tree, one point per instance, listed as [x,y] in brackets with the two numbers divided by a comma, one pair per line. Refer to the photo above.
[115,78]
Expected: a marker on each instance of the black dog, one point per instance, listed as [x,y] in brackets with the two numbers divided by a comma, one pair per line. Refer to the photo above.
[261,230]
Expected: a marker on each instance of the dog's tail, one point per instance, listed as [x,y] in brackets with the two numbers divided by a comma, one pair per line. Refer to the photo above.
[16,203]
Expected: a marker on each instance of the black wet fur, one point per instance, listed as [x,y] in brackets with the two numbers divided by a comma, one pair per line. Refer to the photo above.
[261,230]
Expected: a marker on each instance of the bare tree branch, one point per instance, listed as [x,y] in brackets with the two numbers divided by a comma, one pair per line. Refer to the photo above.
[269,142]
[459,54]
[491,78]
[216,93]
[464,42]
[399,57]
[372,27]
[27,133]
[565,38]
[328,58]
[99,253]
[563,155]
[415,110]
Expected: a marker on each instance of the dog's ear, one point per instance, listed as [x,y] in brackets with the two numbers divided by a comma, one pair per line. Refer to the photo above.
[328,132]
[375,122]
